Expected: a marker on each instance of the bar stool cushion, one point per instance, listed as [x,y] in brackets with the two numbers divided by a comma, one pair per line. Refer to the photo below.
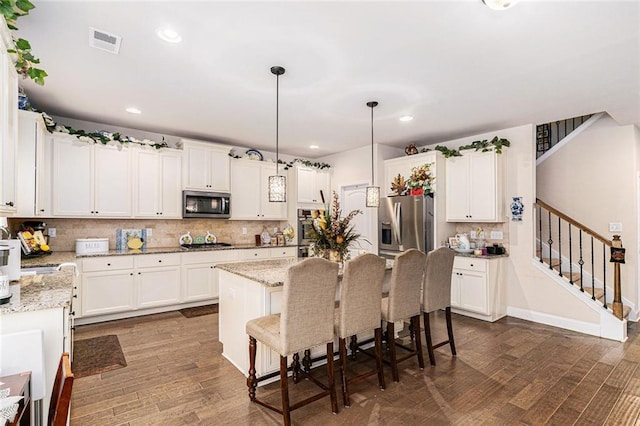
[266,330]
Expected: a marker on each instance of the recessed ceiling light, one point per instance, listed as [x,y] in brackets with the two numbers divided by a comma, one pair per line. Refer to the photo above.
[314,146]
[133,110]
[406,118]
[169,35]
[499,4]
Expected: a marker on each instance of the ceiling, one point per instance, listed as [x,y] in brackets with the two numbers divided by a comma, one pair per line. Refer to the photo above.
[458,67]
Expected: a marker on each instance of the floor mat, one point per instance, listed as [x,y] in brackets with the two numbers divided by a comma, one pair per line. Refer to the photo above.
[198,311]
[97,355]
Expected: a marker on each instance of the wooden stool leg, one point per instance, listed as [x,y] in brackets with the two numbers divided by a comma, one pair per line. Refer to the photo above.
[378,347]
[332,381]
[392,351]
[452,343]
[342,343]
[415,320]
[251,380]
[427,337]
[284,389]
[353,346]
[306,361]
[295,368]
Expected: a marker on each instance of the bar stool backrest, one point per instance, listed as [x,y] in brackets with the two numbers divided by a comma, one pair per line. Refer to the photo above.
[406,282]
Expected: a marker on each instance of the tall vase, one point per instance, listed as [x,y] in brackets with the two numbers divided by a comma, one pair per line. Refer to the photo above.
[334,256]
[517,209]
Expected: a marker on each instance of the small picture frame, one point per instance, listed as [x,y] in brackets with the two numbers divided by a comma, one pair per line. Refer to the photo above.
[454,243]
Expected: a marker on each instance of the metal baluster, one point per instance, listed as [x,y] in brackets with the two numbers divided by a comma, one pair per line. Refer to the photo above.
[540,229]
[604,275]
[559,246]
[593,274]
[550,241]
[570,257]
[581,263]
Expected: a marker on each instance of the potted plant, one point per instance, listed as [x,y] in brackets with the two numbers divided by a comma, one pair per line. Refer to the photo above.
[421,180]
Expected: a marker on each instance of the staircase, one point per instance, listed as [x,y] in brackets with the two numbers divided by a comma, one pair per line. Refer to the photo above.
[549,134]
[574,255]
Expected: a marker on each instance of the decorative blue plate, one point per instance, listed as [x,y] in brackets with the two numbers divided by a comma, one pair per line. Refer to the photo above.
[254,154]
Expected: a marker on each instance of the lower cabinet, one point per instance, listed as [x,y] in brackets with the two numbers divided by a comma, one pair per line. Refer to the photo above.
[199,278]
[107,292]
[477,287]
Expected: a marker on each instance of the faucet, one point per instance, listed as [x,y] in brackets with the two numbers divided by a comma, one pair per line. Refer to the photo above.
[5,229]
[72,264]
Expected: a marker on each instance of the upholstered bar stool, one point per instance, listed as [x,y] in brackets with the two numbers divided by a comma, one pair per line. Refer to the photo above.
[403,303]
[359,311]
[436,295]
[305,321]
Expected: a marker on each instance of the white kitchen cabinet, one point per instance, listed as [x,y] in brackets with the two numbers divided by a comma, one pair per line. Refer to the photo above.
[90,180]
[107,285]
[402,166]
[157,280]
[205,166]
[8,124]
[157,183]
[310,183]
[199,278]
[34,173]
[474,187]
[477,287]
[250,191]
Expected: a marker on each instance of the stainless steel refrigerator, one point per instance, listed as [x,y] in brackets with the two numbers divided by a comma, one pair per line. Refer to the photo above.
[405,222]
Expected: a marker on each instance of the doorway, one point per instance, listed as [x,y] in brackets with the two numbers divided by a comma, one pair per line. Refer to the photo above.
[354,197]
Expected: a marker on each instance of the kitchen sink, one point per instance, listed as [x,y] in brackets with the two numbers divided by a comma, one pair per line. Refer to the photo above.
[38,270]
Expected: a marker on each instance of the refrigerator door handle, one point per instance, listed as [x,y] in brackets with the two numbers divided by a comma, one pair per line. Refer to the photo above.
[397,224]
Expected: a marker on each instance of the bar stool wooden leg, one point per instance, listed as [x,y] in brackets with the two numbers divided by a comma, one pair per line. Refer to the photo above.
[284,389]
[427,337]
[378,348]
[452,343]
[392,351]
[295,368]
[342,343]
[332,381]
[415,320]
[252,383]
[353,346]
[306,361]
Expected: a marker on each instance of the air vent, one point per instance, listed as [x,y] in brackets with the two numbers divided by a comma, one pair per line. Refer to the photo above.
[104,41]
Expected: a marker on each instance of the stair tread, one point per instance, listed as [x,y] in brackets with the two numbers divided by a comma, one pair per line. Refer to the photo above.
[598,292]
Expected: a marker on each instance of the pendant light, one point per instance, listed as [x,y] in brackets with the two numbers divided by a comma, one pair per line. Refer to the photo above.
[373,192]
[277,183]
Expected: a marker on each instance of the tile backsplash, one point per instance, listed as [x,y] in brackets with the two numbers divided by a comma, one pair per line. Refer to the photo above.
[487,228]
[165,233]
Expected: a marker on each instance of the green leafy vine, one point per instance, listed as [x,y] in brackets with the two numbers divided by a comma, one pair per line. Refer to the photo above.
[289,164]
[25,61]
[484,145]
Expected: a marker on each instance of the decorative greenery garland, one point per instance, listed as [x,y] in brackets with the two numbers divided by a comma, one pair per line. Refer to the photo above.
[12,10]
[483,146]
[288,165]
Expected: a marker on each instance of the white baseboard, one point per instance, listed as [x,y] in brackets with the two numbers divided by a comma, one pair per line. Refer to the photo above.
[592,329]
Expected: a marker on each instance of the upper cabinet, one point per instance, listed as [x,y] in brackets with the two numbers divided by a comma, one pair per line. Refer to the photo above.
[205,166]
[402,166]
[157,183]
[8,124]
[311,185]
[90,179]
[475,184]
[250,192]
[34,173]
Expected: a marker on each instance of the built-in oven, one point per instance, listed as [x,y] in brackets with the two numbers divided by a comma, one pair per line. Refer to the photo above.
[206,204]
[304,226]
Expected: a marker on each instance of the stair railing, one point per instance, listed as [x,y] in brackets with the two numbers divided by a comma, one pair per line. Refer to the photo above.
[565,232]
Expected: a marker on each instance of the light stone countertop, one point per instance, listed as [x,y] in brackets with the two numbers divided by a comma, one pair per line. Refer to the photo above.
[38,292]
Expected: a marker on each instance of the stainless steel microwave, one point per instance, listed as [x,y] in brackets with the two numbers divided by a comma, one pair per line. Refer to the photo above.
[205,204]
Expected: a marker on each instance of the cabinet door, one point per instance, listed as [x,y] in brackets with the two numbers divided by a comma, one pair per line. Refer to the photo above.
[199,282]
[323,183]
[107,292]
[158,286]
[146,166]
[44,144]
[196,168]
[219,171]
[306,189]
[482,184]
[473,292]
[455,289]
[72,177]
[170,185]
[246,190]
[9,135]
[112,171]
[270,210]
[457,189]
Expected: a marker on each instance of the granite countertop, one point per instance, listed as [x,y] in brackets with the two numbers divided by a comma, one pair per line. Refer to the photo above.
[270,273]
[38,292]
[488,256]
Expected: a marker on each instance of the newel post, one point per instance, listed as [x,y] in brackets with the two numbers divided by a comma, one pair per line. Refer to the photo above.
[617,257]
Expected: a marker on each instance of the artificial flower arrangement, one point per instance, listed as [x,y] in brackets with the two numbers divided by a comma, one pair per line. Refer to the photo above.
[331,235]
[421,180]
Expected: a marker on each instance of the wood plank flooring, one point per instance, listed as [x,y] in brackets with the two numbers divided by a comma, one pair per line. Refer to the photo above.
[507,372]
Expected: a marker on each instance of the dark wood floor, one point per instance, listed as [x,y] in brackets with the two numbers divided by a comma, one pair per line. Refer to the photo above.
[508,372]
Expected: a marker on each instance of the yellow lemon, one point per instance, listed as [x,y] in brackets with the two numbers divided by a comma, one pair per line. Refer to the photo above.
[44,247]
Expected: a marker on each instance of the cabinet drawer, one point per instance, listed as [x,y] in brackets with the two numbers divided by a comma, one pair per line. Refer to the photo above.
[254,254]
[276,252]
[152,260]
[213,256]
[109,263]
[470,264]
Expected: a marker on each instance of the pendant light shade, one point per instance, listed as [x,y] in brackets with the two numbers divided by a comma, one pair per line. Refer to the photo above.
[277,183]
[373,192]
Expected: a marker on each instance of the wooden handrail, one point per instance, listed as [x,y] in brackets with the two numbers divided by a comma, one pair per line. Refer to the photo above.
[574,222]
